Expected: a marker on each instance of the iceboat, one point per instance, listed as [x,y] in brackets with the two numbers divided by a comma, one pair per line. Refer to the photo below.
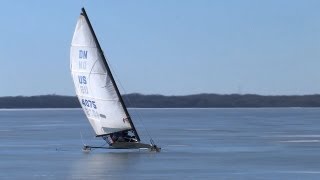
[98,92]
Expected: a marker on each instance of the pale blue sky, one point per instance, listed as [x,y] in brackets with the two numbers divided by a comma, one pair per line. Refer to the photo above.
[171,47]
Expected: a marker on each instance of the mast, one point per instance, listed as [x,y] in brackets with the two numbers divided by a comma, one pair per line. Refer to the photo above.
[110,74]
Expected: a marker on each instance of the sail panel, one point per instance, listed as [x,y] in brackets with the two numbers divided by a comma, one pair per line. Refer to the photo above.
[82,35]
[94,88]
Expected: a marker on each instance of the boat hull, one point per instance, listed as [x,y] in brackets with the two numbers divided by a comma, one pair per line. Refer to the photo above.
[134,145]
[130,145]
[125,145]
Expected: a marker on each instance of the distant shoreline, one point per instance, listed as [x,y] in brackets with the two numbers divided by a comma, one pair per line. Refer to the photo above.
[160,101]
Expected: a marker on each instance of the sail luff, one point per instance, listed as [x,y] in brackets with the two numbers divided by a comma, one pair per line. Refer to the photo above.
[110,74]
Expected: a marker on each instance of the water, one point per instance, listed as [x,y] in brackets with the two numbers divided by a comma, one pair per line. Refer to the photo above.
[281,143]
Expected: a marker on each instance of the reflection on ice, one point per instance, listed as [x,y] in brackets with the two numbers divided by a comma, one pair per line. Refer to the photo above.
[102,165]
[301,141]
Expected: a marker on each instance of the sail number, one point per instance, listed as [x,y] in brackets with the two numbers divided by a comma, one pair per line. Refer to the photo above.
[83,54]
[82,65]
[91,113]
[84,89]
[88,103]
[83,84]
[82,79]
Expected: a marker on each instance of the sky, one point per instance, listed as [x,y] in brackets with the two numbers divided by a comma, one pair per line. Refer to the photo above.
[169,47]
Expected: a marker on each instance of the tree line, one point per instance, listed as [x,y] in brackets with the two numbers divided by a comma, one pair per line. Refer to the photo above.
[161,101]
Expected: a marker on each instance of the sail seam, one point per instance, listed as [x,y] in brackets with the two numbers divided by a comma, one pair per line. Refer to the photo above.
[88,72]
[84,46]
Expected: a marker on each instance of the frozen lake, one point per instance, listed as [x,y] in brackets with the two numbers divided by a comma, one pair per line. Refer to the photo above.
[264,143]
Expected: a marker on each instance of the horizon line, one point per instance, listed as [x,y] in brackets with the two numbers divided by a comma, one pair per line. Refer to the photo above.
[221,94]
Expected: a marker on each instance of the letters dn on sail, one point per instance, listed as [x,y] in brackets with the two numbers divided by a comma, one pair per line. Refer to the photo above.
[83,54]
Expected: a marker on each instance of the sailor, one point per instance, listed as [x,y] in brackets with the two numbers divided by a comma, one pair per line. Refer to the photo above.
[122,136]
[117,137]
[114,137]
[108,139]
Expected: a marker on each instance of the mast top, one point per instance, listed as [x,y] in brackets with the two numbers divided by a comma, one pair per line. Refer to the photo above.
[83,12]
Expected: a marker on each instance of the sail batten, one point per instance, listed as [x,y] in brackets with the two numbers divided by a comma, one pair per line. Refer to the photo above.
[116,100]
[95,87]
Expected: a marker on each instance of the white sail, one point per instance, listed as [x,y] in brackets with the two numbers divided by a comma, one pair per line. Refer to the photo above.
[94,87]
